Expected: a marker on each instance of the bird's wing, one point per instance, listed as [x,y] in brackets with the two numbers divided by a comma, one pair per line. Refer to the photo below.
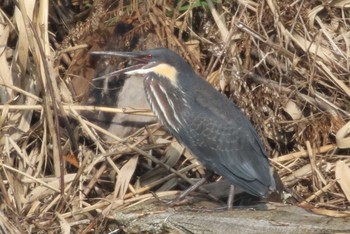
[219,134]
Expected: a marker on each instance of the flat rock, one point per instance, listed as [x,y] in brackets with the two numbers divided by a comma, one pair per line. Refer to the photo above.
[277,218]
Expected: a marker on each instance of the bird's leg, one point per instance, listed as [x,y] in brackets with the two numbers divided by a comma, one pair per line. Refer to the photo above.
[231,196]
[191,189]
[187,191]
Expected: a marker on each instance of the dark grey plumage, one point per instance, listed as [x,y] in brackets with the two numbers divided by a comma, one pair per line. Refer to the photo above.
[210,126]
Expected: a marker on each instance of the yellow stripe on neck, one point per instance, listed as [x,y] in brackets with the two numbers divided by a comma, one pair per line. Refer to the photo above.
[166,71]
[163,70]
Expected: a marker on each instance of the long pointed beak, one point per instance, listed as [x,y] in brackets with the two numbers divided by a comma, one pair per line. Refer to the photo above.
[117,53]
[138,56]
[142,68]
[141,58]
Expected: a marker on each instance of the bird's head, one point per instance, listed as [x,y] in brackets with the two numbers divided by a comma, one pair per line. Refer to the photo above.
[163,62]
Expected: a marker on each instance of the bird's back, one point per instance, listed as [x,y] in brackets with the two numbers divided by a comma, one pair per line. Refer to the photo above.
[224,140]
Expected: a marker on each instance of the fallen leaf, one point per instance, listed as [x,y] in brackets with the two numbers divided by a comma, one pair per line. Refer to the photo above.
[342,137]
[331,213]
[124,177]
[342,175]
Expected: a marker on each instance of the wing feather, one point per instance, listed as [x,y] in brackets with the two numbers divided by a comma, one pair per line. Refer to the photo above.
[224,140]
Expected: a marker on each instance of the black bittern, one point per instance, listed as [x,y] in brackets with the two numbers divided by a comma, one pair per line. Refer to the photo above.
[210,126]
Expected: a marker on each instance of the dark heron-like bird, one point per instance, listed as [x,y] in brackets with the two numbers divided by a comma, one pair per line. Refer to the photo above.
[210,126]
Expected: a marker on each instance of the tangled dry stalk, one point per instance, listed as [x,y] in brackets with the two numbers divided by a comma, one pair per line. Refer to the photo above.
[285,63]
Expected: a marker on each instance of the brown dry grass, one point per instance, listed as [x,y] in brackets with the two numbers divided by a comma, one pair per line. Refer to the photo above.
[285,63]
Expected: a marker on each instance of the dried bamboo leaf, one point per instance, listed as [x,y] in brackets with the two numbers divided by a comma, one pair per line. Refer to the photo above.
[314,47]
[342,137]
[302,153]
[7,226]
[65,227]
[42,27]
[219,21]
[193,48]
[342,175]
[26,117]
[331,213]
[173,153]
[17,189]
[3,116]
[293,110]
[124,177]
[336,3]
[343,4]
[302,172]
[42,191]
[331,41]
[27,9]
[172,156]
[66,95]
[169,185]
[5,75]
[334,78]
